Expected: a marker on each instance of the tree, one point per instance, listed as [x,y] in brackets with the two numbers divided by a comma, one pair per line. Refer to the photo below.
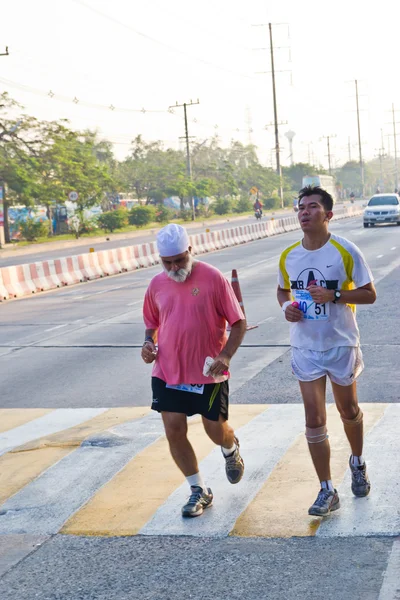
[42,161]
[295,173]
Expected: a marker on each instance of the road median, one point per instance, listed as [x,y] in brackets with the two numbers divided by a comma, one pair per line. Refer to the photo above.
[31,278]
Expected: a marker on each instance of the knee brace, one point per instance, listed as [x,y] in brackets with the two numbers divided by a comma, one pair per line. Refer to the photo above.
[358,419]
[316,435]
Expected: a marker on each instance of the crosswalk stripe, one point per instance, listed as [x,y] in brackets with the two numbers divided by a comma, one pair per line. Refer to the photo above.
[280,508]
[23,464]
[57,420]
[11,418]
[265,439]
[127,502]
[378,513]
[390,589]
[109,472]
[43,506]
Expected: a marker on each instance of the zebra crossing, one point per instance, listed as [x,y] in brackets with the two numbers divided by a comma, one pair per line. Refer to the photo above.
[108,472]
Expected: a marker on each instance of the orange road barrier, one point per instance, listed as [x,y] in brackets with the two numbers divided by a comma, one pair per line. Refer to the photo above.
[236,288]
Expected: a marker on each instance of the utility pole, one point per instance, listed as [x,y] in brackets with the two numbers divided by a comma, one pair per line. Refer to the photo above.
[381,156]
[276,123]
[349,147]
[188,163]
[396,168]
[3,212]
[328,138]
[359,142]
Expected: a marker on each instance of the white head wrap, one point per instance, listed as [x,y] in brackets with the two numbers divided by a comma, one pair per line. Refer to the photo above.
[172,240]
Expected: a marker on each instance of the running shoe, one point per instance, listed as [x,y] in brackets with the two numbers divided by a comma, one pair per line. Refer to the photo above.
[360,484]
[325,503]
[234,465]
[198,500]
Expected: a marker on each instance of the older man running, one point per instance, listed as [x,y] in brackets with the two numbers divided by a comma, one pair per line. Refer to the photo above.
[185,311]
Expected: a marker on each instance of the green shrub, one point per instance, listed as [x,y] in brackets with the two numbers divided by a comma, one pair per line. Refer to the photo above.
[141,215]
[270,203]
[114,219]
[80,224]
[163,213]
[288,198]
[31,229]
[222,206]
[244,204]
[186,214]
[203,210]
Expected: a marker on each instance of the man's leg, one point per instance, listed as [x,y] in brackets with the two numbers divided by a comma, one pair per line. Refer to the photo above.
[313,393]
[347,405]
[175,425]
[222,434]
[352,417]
[182,452]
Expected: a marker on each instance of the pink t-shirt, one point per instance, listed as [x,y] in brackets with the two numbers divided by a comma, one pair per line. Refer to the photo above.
[191,321]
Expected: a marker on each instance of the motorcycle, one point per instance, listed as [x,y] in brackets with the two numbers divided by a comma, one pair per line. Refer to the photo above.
[258,214]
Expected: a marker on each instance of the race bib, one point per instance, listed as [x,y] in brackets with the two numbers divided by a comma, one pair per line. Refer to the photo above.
[311,310]
[193,388]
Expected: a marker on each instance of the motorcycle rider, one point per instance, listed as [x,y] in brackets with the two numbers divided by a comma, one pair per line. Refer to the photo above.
[257,206]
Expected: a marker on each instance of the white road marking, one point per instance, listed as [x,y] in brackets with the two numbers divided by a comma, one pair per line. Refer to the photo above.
[57,327]
[376,514]
[390,589]
[394,248]
[266,439]
[57,420]
[43,506]
[133,303]
[380,255]
[265,320]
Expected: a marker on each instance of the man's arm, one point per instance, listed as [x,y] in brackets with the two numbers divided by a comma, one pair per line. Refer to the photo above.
[149,350]
[222,361]
[292,314]
[365,294]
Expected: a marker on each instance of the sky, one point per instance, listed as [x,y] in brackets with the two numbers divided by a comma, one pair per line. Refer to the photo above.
[75,59]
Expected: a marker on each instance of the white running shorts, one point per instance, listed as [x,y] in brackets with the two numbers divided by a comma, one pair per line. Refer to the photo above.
[342,365]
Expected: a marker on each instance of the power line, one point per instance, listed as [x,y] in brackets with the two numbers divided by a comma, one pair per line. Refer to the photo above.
[75,100]
[158,42]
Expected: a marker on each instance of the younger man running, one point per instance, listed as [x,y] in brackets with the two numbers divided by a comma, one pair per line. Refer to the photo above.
[321,279]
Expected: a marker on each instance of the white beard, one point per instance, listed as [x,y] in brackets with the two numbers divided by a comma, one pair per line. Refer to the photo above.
[181,275]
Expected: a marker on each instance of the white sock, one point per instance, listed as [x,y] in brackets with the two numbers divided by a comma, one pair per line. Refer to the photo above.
[196,480]
[357,461]
[228,451]
[327,485]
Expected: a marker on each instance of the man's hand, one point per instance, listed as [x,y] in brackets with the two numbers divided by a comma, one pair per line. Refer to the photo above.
[293,314]
[321,295]
[149,352]
[220,365]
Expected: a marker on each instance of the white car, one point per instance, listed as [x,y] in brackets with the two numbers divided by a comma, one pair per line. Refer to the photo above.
[382,208]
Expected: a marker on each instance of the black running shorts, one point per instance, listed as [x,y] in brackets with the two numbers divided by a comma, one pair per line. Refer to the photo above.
[212,402]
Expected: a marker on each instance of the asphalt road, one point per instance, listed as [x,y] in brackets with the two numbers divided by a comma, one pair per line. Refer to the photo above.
[80,347]
[52,250]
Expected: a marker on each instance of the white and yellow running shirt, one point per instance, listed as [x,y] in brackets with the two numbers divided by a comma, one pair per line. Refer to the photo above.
[338,265]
